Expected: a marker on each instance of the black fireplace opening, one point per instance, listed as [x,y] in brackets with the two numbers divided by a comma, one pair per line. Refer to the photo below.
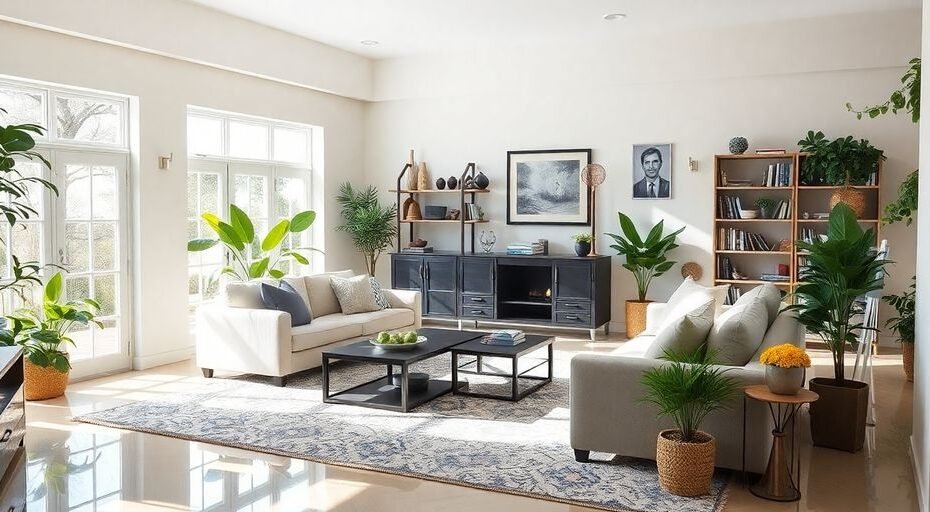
[524,292]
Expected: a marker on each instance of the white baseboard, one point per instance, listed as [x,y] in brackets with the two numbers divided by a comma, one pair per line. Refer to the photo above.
[918,479]
[163,358]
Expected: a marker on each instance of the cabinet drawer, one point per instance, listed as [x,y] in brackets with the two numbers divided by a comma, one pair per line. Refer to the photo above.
[13,484]
[573,306]
[572,318]
[477,312]
[477,301]
[10,437]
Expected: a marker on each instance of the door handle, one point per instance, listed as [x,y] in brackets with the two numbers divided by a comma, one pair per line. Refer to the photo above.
[477,312]
[571,317]
[6,436]
[571,305]
[422,275]
[476,299]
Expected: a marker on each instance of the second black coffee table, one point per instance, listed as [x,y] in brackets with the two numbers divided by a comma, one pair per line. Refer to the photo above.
[381,393]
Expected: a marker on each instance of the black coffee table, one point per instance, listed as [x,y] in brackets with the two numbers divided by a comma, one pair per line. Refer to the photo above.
[474,347]
[381,393]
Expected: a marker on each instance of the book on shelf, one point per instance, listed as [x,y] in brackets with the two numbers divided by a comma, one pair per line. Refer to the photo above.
[733,295]
[771,151]
[778,175]
[775,278]
[732,239]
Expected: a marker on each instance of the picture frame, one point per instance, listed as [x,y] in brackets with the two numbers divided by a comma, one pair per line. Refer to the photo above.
[544,187]
[652,171]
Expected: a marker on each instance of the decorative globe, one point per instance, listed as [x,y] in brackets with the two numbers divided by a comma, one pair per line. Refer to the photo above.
[738,145]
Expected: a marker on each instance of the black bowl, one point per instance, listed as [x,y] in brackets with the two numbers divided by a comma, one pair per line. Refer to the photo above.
[416,381]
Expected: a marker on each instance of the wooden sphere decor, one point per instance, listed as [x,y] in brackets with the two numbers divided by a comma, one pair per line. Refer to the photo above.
[692,270]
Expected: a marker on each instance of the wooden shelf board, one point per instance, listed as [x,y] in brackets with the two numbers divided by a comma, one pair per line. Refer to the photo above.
[755,187]
[752,281]
[444,191]
[753,156]
[441,221]
[753,220]
[760,253]
[834,187]
[870,221]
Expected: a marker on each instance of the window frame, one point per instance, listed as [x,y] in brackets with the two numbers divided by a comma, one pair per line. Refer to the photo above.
[269,124]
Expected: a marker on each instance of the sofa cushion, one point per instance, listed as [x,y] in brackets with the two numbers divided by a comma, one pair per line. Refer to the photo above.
[356,294]
[738,332]
[374,322]
[770,296]
[324,330]
[322,298]
[245,294]
[686,334]
[288,300]
[689,295]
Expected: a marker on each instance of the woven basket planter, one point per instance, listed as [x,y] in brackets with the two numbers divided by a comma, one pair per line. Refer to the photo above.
[908,350]
[854,198]
[636,317]
[43,382]
[685,469]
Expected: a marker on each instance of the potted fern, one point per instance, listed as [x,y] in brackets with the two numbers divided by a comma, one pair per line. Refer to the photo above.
[646,259]
[687,388]
[903,325]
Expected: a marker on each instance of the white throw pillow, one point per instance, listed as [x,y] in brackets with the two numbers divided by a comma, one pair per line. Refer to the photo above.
[244,294]
[355,294]
[320,291]
[738,332]
[769,294]
[686,298]
[686,334]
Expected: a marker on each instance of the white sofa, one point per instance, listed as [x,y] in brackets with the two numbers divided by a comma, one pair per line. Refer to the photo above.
[608,416]
[237,334]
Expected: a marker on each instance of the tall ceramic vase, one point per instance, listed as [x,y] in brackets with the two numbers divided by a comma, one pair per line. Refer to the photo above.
[412,181]
[423,182]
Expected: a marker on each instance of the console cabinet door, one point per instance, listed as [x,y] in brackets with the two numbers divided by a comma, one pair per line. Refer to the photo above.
[477,276]
[441,274]
[407,272]
[573,279]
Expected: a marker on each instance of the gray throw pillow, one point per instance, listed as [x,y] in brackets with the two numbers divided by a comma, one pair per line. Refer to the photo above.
[737,333]
[355,294]
[288,300]
[769,294]
[685,334]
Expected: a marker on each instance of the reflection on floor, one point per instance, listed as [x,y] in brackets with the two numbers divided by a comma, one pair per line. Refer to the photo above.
[83,467]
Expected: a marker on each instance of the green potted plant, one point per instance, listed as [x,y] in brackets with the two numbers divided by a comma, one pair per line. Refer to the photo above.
[687,388]
[842,162]
[646,259]
[370,224]
[42,332]
[254,258]
[840,269]
[582,243]
[765,206]
[903,325]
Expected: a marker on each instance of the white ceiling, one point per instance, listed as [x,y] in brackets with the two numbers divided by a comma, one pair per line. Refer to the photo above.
[409,27]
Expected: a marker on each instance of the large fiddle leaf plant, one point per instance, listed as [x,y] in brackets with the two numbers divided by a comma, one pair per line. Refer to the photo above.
[645,256]
[252,256]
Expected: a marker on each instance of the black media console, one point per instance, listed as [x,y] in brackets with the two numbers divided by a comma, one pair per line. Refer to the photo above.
[555,291]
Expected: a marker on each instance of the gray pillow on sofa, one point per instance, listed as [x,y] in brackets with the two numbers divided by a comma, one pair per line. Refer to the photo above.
[769,294]
[738,332]
[288,300]
[685,334]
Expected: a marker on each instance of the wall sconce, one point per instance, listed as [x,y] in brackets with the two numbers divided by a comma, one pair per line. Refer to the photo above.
[164,162]
[692,165]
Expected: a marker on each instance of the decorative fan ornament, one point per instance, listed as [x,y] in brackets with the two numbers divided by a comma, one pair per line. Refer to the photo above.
[593,175]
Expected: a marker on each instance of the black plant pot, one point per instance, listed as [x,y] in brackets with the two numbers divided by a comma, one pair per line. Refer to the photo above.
[838,416]
[582,248]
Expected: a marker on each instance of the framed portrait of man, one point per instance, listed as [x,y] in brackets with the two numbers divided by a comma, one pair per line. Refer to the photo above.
[652,171]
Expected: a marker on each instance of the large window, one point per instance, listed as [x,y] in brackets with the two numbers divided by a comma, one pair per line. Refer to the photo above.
[82,228]
[260,165]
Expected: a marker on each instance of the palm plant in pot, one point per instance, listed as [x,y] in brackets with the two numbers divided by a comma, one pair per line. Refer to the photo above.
[370,224]
[841,268]
[687,389]
[903,325]
[842,162]
[646,259]
[43,333]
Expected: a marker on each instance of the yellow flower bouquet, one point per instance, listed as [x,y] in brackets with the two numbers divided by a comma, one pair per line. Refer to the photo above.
[786,355]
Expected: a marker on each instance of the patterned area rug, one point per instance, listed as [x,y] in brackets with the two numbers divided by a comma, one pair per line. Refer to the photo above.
[520,448]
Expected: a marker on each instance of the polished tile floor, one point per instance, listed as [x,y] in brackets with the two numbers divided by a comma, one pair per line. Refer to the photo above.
[82,467]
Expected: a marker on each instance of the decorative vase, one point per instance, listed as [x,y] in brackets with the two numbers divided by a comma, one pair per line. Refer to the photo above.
[482,181]
[784,381]
[853,197]
[411,173]
[685,469]
[582,248]
[423,181]
[412,210]
[838,416]
[452,182]
[42,382]
[907,347]
[635,317]
[738,145]
[441,184]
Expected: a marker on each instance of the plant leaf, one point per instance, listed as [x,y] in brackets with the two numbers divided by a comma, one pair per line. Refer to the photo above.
[241,223]
[302,221]
[275,236]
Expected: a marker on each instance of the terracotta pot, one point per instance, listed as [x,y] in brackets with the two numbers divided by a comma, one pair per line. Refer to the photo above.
[838,416]
[685,469]
[908,349]
[784,381]
[635,317]
[43,383]
[855,198]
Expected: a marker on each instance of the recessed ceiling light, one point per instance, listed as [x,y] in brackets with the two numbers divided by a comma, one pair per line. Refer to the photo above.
[370,42]
[614,16]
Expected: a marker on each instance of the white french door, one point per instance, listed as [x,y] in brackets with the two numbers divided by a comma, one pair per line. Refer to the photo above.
[89,239]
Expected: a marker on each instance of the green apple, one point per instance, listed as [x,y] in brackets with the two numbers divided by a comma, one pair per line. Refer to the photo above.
[410,337]
[384,337]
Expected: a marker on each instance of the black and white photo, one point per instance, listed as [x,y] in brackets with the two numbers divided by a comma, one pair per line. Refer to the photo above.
[652,171]
[545,187]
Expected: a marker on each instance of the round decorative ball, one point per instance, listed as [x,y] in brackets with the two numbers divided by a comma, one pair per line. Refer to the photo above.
[692,270]
[452,182]
[738,145]
[441,184]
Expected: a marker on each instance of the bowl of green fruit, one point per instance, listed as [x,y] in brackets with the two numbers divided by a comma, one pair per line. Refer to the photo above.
[398,340]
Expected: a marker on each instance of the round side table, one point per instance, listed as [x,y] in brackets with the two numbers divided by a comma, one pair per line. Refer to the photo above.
[779,483]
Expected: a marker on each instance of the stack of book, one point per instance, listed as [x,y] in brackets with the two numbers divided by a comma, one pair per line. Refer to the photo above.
[417,250]
[504,337]
[775,278]
[732,239]
[777,175]
[525,249]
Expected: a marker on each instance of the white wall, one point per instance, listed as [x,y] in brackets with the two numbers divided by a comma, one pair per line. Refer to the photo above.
[770,83]
[165,87]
